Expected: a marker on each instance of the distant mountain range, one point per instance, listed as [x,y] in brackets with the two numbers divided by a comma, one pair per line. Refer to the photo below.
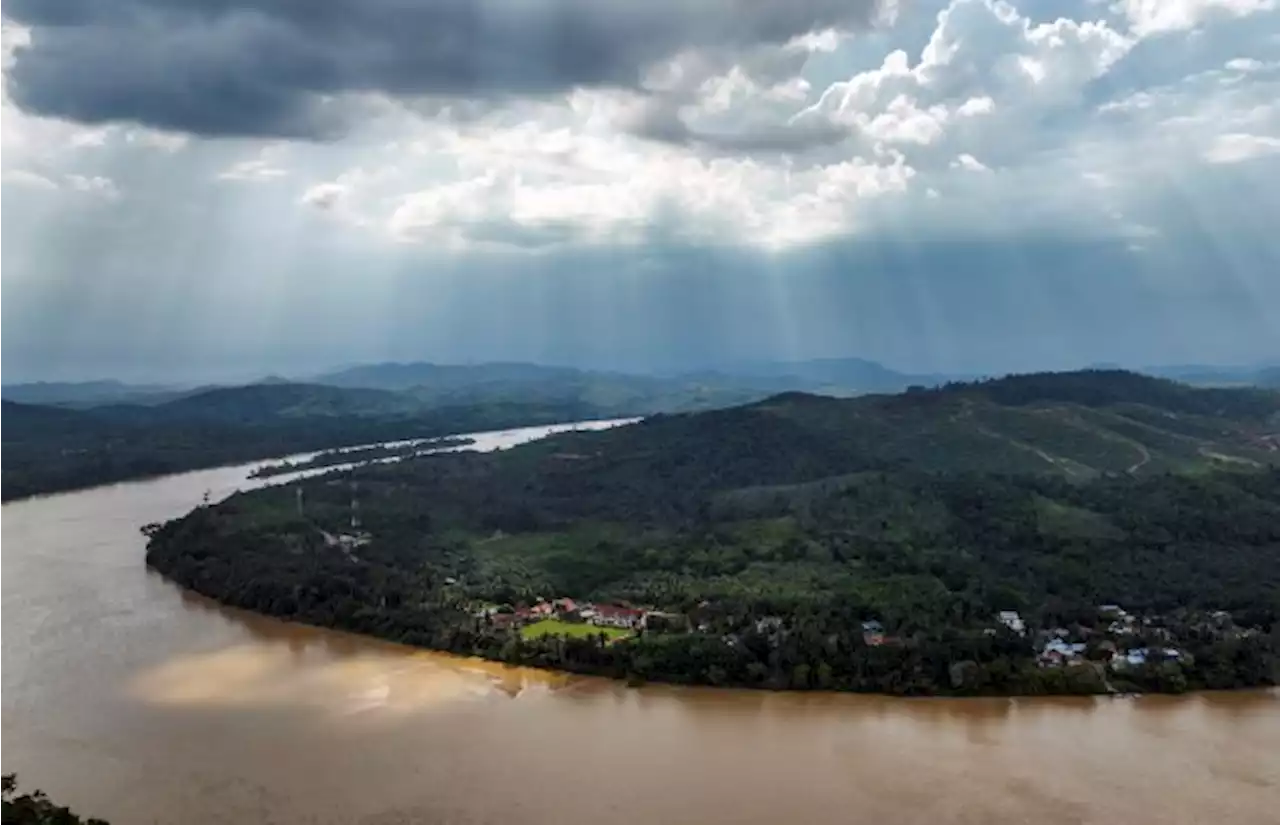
[89,393]
[832,376]
[105,431]
[430,385]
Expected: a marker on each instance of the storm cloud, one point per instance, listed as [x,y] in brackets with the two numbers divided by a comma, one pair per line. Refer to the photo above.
[278,68]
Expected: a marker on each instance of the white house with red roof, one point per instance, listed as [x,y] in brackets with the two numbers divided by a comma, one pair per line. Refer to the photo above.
[612,615]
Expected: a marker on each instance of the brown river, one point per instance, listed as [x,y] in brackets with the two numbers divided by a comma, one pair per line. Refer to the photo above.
[129,699]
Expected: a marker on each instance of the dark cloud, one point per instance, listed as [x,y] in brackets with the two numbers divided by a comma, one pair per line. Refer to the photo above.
[272,67]
[662,122]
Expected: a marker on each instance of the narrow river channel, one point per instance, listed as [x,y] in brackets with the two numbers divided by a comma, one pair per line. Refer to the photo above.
[129,699]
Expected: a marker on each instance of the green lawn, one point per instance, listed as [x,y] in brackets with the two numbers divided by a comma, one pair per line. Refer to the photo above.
[549,627]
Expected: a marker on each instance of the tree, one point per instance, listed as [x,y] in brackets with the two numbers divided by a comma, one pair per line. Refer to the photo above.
[35,808]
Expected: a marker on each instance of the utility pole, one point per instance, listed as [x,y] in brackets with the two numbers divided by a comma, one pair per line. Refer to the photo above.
[355,508]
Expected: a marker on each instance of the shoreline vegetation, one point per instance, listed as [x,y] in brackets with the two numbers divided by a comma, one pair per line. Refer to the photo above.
[36,808]
[1074,533]
[362,455]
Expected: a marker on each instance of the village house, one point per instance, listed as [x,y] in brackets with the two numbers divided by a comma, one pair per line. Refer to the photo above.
[1013,621]
[611,615]
[1139,656]
[1121,627]
[1060,652]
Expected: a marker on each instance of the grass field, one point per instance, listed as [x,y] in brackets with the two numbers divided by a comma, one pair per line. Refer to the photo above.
[550,627]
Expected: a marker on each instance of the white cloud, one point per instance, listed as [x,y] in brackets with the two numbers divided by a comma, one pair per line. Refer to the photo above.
[976,106]
[96,185]
[549,188]
[982,58]
[1245,64]
[263,166]
[12,37]
[969,163]
[29,179]
[164,141]
[324,195]
[1238,147]
[250,171]
[1148,17]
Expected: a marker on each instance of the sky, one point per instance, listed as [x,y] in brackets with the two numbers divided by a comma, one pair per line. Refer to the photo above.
[200,189]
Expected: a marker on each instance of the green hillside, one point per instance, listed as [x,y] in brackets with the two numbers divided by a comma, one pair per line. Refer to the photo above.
[772,531]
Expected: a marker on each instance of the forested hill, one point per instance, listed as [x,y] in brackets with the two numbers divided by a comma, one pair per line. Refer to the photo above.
[803,541]
[1077,425]
[47,449]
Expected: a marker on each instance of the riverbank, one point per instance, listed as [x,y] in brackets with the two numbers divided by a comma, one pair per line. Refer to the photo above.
[512,648]
[289,576]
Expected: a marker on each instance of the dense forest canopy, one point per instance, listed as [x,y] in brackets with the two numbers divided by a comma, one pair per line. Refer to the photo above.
[1081,532]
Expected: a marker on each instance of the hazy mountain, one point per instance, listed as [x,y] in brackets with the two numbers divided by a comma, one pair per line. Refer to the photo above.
[606,393]
[89,393]
[1210,376]
[268,401]
[403,376]
[23,421]
[841,376]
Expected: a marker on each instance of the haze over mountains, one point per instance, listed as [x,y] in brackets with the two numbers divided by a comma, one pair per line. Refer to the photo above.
[436,384]
[60,436]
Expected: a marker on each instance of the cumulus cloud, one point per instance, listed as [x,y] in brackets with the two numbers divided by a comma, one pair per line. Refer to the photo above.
[1159,16]
[1236,147]
[324,196]
[265,67]
[752,155]
[743,125]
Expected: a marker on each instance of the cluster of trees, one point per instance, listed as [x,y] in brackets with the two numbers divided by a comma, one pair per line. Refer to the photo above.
[359,455]
[35,808]
[778,544]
